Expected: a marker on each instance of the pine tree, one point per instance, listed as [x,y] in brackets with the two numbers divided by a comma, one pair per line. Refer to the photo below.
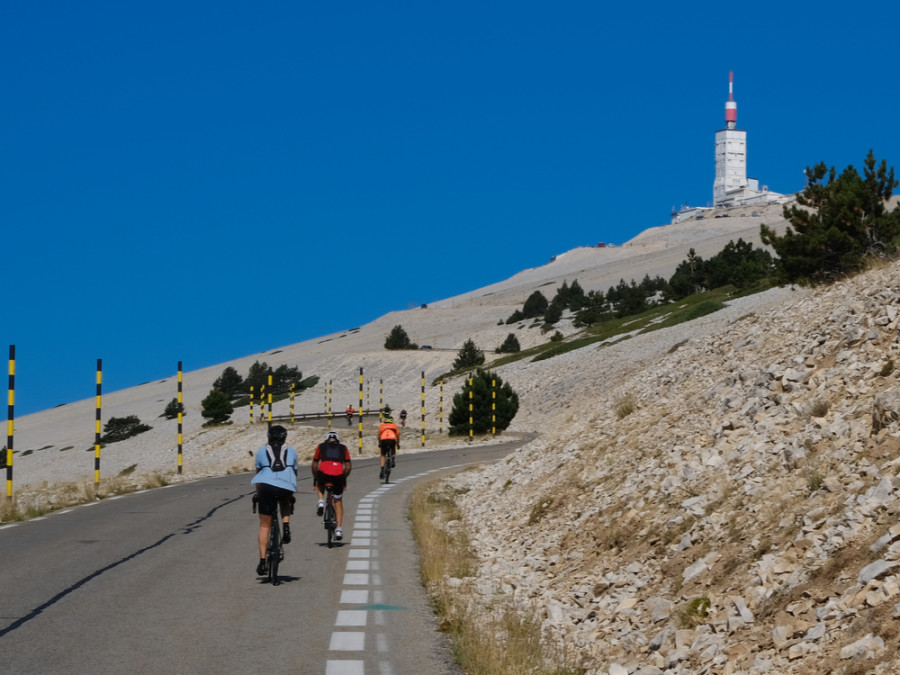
[535,305]
[217,407]
[510,345]
[488,411]
[229,382]
[398,339]
[837,223]
[468,356]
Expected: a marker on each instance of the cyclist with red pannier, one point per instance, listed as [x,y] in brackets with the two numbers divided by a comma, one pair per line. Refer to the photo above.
[331,464]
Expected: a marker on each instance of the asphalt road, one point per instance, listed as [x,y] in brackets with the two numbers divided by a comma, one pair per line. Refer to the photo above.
[163,581]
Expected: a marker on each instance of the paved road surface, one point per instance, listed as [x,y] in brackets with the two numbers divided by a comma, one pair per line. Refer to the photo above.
[163,581]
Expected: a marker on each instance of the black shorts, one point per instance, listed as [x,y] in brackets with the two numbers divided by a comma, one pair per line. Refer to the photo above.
[387,446]
[269,494]
[338,483]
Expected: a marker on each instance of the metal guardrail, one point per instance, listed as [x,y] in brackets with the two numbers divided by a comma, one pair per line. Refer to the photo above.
[299,417]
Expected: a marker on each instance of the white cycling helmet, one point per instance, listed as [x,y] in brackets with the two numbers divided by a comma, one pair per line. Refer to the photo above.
[332,434]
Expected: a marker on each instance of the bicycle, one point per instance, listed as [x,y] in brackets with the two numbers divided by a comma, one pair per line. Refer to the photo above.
[275,547]
[389,464]
[329,518]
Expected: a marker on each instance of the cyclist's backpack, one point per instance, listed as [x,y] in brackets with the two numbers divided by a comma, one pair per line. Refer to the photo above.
[277,462]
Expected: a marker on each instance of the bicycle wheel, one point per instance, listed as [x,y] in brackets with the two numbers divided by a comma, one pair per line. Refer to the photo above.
[330,523]
[273,552]
[387,470]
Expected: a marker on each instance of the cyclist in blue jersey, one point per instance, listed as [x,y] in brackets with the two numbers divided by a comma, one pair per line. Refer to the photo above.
[276,482]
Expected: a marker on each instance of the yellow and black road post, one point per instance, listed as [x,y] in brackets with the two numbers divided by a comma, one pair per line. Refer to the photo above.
[493,407]
[360,408]
[10,426]
[441,409]
[180,408]
[380,401]
[270,397]
[423,408]
[97,424]
[471,420]
[251,405]
[329,409]
[292,402]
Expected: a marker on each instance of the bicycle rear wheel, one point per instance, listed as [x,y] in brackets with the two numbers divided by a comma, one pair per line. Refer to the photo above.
[273,552]
[330,523]
[387,470]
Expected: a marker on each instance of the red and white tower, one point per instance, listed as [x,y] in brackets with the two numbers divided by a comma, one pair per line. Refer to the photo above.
[731,155]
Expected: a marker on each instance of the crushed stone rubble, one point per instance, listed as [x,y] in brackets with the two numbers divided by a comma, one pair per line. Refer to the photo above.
[737,516]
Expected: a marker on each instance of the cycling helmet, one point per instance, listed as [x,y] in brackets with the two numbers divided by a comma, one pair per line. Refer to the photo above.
[332,434]
[388,419]
[277,434]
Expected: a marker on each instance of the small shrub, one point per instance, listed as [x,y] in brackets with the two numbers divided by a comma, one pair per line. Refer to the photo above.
[556,337]
[539,510]
[172,409]
[695,613]
[128,470]
[625,406]
[120,428]
[887,369]
[814,480]
[819,408]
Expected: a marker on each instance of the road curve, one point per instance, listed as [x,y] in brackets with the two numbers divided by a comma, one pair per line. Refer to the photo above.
[163,581]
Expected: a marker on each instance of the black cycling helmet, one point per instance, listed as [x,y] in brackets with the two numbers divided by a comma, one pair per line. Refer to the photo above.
[277,434]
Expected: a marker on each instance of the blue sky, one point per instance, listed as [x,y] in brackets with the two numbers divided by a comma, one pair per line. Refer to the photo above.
[199,181]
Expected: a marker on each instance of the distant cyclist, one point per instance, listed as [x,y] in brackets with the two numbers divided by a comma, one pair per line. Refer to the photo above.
[403,418]
[388,441]
[331,464]
[349,415]
[276,481]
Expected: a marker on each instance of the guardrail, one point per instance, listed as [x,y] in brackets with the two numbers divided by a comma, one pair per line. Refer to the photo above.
[319,416]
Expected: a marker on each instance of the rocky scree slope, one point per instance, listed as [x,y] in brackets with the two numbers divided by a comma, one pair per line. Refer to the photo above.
[726,502]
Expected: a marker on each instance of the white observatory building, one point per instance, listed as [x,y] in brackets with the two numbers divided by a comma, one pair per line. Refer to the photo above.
[731,186]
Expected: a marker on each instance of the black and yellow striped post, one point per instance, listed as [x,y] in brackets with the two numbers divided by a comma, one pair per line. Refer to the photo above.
[493,407]
[441,409]
[97,424]
[330,409]
[270,397]
[325,399]
[251,405]
[423,408]
[180,408]
[360,408]
[262,403]
[10,426]
[292,402]
[471,419]
[380,401]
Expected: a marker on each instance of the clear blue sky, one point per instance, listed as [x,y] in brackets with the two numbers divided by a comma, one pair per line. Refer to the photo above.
[199,181]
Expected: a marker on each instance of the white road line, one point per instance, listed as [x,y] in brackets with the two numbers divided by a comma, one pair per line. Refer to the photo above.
[348,641]
[351,617]
[344,668]
[354,597]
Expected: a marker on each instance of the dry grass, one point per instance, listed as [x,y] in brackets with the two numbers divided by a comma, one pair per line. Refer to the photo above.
[48,499]
[495,640]
[625,405]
